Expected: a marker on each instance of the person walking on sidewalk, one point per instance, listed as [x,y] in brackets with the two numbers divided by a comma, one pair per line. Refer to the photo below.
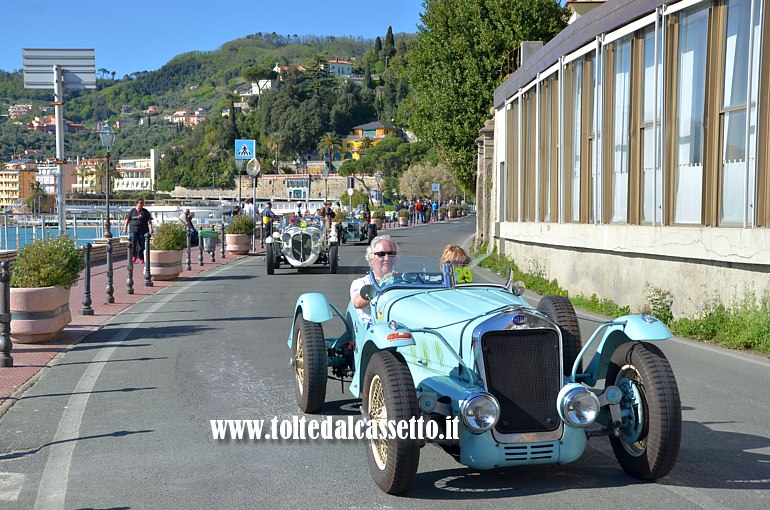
[139,220]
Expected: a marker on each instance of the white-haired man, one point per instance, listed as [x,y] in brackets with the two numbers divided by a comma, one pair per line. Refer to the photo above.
[381,254]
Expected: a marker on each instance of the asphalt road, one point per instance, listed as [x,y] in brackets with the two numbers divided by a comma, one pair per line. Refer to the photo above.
[122,421]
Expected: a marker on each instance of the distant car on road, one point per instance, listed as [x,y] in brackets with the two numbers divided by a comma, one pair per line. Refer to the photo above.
[301,243]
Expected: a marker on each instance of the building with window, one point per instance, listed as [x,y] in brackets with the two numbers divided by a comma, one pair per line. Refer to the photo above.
[16,180]
[137,174]
[351,144]
[624,158]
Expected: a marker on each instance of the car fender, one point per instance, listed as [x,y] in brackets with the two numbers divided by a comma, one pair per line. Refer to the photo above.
[378,337]
[314,307]
[269,240]
[629,328]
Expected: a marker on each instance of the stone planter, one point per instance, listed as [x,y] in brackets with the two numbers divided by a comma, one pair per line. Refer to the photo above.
[403,221]
[238,244]
[377,223]
[39,315]
[452,214]
[165,264]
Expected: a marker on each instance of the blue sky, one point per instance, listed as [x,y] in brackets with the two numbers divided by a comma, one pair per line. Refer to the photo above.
[142,35]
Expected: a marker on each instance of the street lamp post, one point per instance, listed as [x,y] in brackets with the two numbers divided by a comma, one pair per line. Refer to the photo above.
[378,178]
[326,181]
[107,137]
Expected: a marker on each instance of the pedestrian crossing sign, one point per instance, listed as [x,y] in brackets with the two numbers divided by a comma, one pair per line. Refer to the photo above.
[244,149]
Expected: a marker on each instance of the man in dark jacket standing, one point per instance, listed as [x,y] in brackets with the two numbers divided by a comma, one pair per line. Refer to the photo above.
[139,220]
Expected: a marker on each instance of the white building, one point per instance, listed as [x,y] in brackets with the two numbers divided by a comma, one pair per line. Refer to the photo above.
[137,174]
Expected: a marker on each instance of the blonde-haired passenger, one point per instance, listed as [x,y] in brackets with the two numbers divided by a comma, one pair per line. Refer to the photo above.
[455,255]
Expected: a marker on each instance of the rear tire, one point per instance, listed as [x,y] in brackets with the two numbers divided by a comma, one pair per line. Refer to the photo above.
[652,430]
[333,258]
[269,258]
[388,394]
[371,234]
[560,310]
[310,367]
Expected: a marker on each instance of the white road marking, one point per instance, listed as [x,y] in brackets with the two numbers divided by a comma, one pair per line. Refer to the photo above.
[10,486]
[53,484]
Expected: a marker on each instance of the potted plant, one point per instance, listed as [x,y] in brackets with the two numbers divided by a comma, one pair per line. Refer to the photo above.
[403,217]
[453,211]
[166,247]
[377,216]
[238,234]
[442,213]
[41,278]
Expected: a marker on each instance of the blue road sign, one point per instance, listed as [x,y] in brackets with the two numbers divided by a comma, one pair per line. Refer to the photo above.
[244,149]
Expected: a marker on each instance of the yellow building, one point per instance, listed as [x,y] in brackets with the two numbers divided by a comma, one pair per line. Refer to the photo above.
[351,144]
[16,178]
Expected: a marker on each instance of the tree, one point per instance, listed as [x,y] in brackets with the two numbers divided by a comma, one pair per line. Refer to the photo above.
[83,172]
[274,145]
[100,172]
[38,200]
[389,48]
[328,145]
[454,68]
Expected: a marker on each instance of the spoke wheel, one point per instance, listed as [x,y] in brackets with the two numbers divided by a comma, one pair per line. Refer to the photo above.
[651,414]
[310,367]
[389,394]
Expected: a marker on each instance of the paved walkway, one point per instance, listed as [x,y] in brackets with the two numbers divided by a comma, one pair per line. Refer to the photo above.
[30,360]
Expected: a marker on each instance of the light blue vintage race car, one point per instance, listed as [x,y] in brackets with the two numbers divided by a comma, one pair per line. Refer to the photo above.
[522,385]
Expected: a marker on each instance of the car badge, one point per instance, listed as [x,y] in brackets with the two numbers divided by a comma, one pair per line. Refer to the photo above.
[379,315]
[649,319]
[519,319]
[392,324]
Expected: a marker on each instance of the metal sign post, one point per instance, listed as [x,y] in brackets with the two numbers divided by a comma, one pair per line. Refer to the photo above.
[59,69]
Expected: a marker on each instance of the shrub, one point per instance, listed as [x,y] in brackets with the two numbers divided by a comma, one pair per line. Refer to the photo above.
[48,262]
[241,224]
[169,236]
[403,213]
[442,210]
[378,214]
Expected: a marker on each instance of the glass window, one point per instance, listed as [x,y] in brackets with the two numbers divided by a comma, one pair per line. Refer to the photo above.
[577,117]
[736,169]
[693,41]
[621,119]
[652,176]
[594,88]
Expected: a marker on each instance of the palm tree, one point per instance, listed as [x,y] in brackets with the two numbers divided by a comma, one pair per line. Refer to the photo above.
[100,172]
[328,144]
[274,144]
[83,172]
[365,144]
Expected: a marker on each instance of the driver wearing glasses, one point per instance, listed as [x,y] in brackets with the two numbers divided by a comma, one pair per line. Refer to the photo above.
[381,255]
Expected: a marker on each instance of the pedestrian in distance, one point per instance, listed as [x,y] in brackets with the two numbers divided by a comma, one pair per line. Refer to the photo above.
[138,223]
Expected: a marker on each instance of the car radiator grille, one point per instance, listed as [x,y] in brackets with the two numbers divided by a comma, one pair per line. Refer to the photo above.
[301,246]
[523,371]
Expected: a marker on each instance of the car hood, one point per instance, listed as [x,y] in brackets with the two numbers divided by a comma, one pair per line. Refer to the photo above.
[439,308]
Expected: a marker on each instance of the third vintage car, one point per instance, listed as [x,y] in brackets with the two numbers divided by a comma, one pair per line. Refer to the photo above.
[505,383]
[301,243]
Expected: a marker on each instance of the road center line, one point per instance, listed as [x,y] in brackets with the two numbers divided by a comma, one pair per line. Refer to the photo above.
[53,484]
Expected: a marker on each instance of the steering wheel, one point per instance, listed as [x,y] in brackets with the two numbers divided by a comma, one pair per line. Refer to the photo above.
[412,277]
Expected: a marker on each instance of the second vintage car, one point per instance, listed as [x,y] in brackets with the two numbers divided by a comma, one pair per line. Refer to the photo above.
[301,243]
[499,382]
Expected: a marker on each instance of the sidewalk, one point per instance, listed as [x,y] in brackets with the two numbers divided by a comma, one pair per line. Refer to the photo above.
[29,360]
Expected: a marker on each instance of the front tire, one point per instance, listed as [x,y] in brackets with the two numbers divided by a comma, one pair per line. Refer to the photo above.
[310,368]
[388,394]
[333,258]
[651,431]
[560,310]
[269,259]
[371,234]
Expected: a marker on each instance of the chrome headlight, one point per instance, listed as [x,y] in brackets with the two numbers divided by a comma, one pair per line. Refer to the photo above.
[578,406]
[480,412]
[285,237]
[316,236]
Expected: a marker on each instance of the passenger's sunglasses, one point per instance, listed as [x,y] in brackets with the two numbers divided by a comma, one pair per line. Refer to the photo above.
[382,254]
